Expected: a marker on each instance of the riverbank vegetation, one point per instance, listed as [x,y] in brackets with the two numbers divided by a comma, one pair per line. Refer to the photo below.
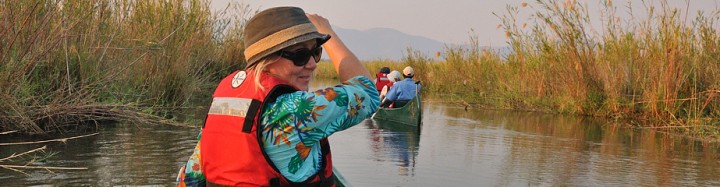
[661,72]
[73,63]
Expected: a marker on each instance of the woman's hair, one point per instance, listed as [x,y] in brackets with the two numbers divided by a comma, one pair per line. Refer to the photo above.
[259,69]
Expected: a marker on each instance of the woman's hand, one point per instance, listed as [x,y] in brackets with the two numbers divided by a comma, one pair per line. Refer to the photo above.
[322,24]
[347,65]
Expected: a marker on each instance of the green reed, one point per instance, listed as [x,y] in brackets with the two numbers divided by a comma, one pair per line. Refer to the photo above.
[660,69]
[657,72]
[154,56]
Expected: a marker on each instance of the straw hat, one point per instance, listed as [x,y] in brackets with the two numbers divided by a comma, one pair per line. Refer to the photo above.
[408,71]
[276,28]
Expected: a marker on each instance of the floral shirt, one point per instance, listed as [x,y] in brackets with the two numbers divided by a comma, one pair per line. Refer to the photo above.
[294,124]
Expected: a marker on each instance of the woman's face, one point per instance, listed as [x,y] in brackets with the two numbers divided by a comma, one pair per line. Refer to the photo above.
[297,76]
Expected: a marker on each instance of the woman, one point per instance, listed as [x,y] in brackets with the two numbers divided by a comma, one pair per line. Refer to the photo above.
[264,128]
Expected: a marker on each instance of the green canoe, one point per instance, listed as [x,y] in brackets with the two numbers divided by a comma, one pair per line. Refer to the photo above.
[410,114]
[339,179]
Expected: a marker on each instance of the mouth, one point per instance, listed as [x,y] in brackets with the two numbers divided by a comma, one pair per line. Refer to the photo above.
[305,77]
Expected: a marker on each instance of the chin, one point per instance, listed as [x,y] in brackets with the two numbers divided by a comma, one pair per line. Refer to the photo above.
[304,88]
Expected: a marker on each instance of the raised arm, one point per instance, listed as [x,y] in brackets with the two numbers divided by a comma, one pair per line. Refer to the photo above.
[346,63]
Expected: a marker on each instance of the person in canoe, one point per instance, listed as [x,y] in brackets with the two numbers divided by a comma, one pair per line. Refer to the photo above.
[264,128]
[394,77]
[403,91]
[381,79]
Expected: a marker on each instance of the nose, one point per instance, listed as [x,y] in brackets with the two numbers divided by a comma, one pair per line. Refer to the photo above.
[311,63]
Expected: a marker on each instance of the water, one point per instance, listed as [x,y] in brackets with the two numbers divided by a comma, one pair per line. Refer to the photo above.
[454,148]
[119,155]
[499,148]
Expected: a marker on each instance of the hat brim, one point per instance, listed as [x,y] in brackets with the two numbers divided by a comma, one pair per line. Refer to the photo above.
[321,39]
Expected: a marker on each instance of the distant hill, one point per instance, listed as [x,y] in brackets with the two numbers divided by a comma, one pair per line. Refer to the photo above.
[391,44]
[385,43]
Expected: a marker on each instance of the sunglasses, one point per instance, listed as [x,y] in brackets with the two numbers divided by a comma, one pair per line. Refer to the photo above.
[301,56]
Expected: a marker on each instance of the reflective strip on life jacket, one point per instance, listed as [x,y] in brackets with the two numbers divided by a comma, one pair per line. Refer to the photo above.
[382,81]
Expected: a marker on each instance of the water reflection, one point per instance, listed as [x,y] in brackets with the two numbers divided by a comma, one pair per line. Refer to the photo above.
[454,148]
[396,141]
[541,149]
[120,154]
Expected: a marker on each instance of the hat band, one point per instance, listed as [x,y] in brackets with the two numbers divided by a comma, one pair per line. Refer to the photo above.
[277,38]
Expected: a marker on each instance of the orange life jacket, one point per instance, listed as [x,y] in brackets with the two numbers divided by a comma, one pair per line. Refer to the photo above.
[231,152]
[382,80]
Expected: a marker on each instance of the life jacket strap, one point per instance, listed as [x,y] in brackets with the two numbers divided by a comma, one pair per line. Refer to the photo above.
[250,116]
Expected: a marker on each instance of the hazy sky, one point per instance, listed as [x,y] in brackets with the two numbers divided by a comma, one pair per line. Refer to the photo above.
[448,21]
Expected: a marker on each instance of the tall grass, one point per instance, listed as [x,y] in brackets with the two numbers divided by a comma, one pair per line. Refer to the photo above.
[74,61]
[661,69]
[659,72]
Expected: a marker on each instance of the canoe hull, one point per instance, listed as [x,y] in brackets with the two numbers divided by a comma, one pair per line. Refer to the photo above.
[410,114]
[340,181]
